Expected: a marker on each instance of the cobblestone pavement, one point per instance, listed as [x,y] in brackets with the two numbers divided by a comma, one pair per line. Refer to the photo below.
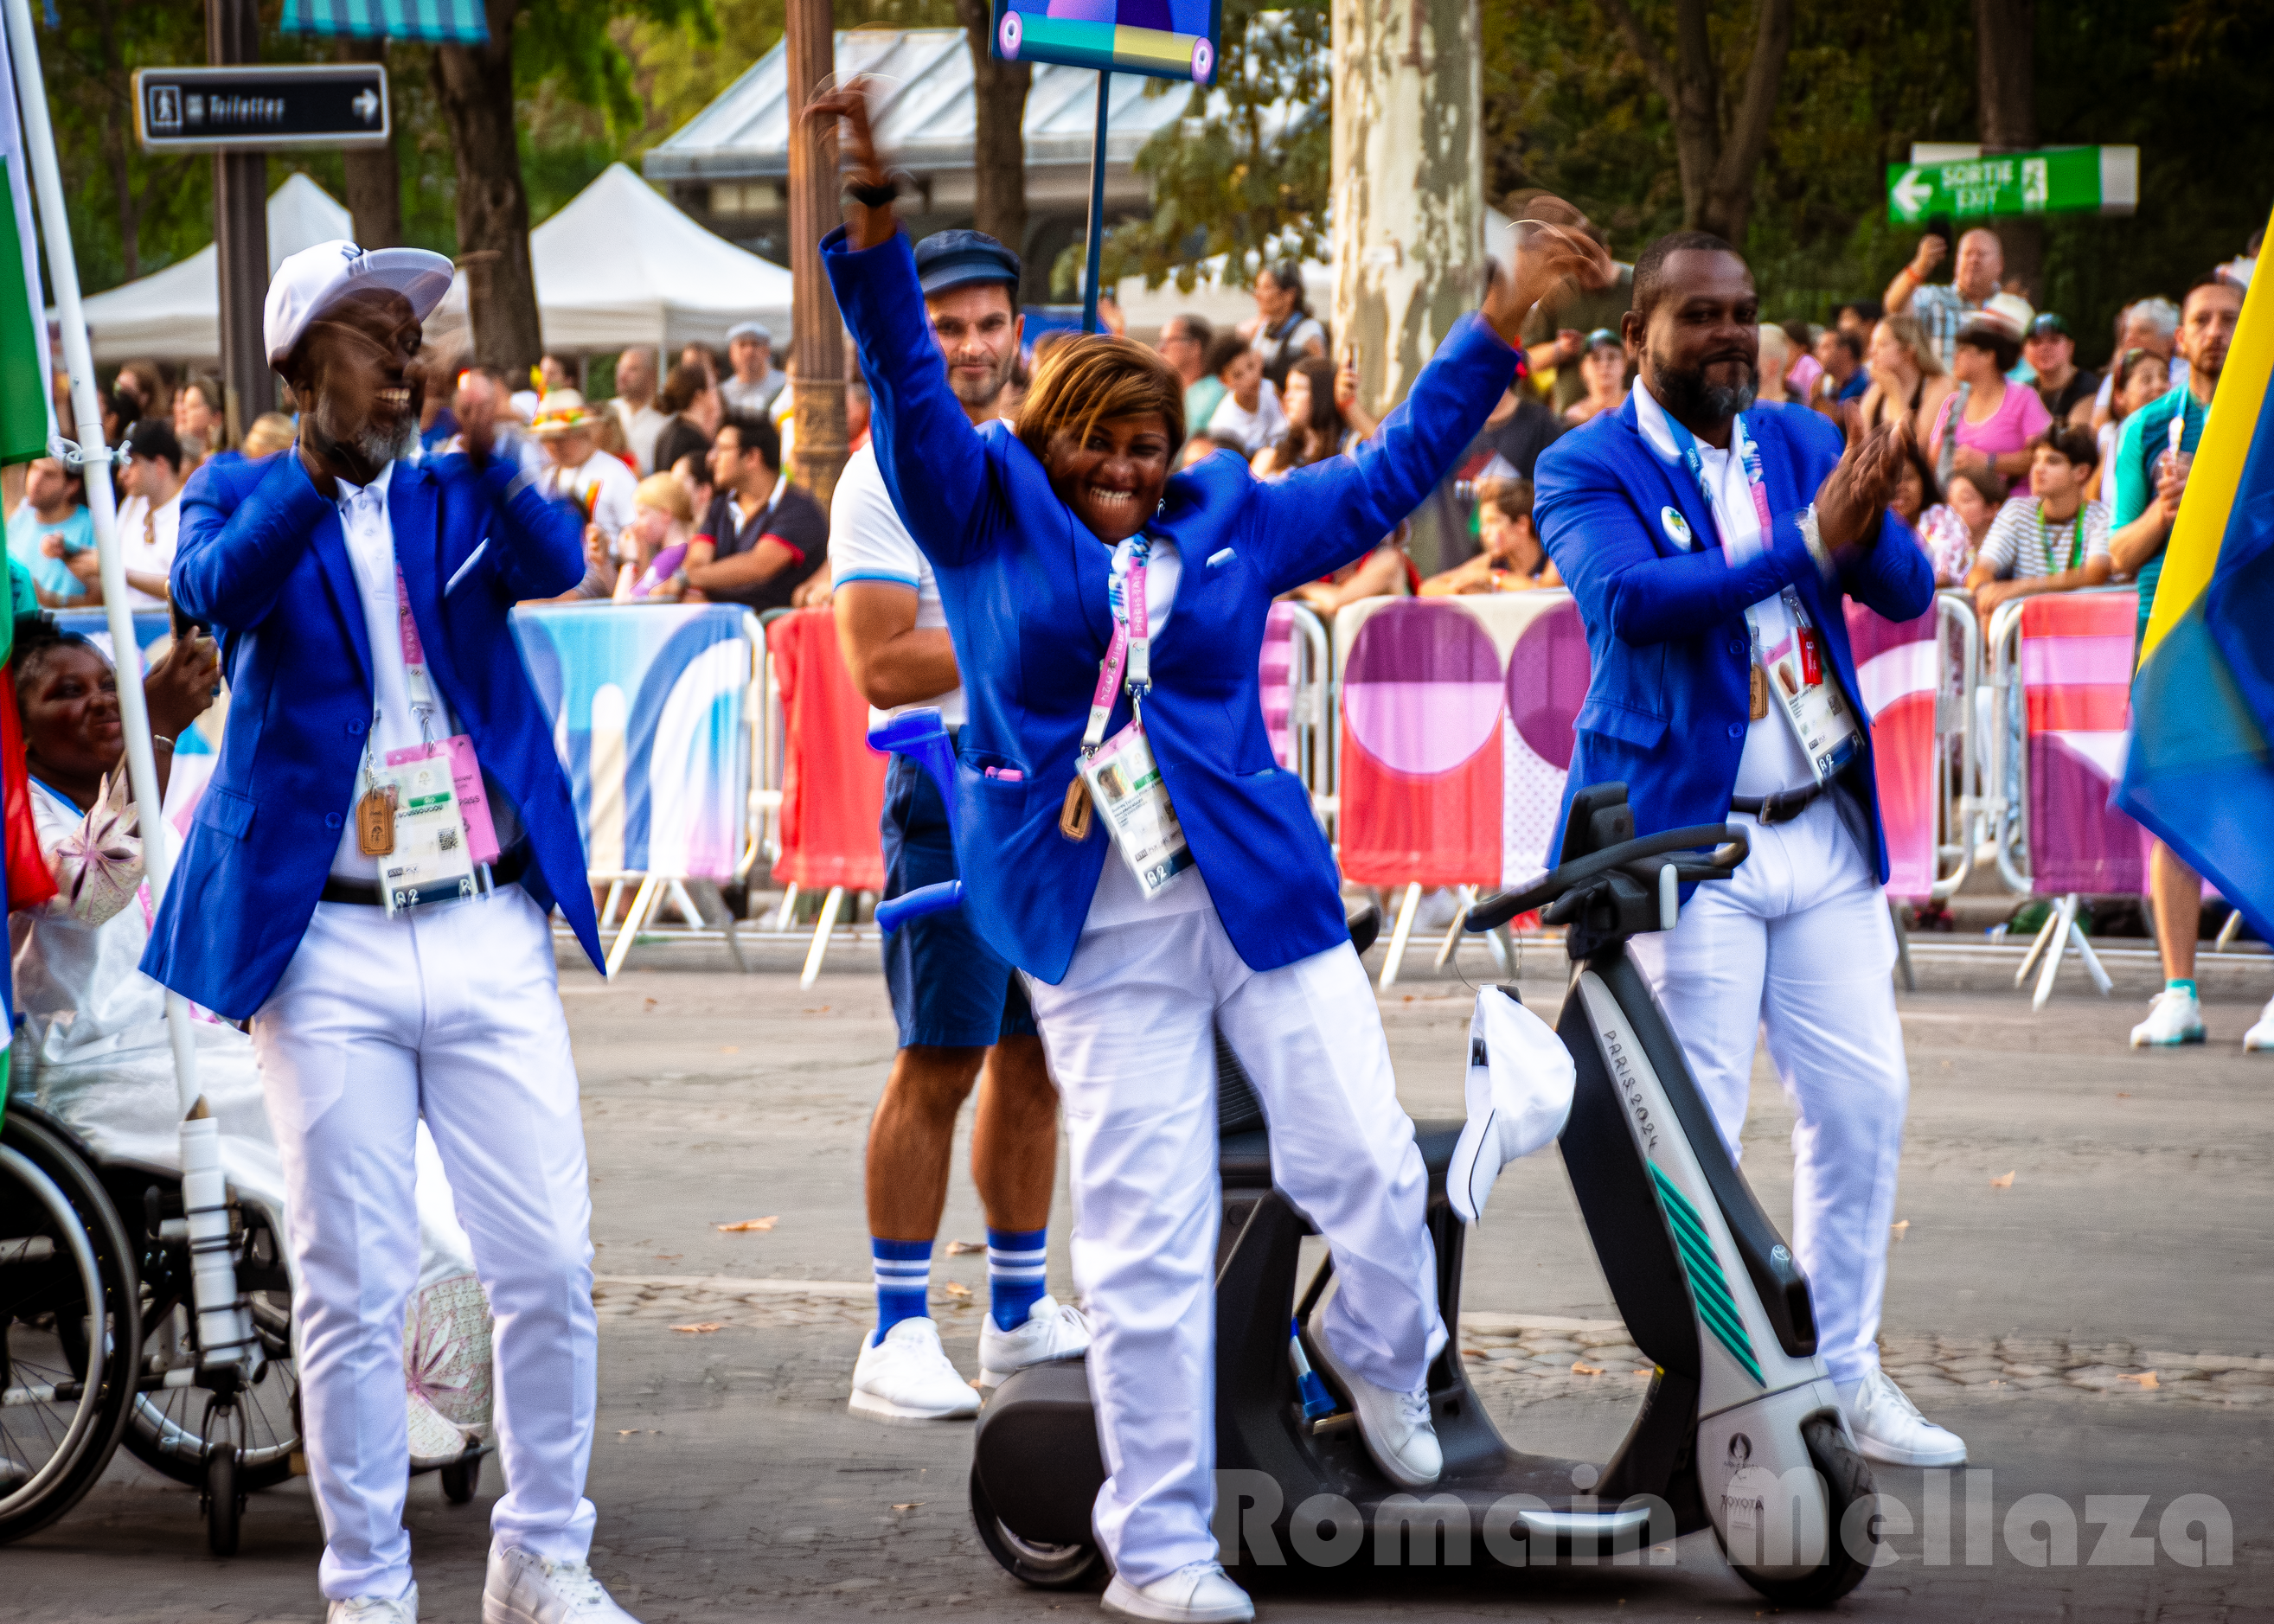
[2027,1312]
[1513,1360]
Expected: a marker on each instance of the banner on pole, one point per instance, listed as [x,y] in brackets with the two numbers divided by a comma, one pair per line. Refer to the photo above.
[1165,39]
[1898,668]
[27,417]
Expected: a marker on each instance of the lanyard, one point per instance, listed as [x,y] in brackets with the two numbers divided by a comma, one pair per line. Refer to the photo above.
[1747,454]
[2045,540]
[1132,646]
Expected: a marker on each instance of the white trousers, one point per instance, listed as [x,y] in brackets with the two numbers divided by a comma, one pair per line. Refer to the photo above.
[1797,948]
[1130,1035]
[452,1013]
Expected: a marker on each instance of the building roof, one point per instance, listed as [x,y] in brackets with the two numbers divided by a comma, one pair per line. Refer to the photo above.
[925,113]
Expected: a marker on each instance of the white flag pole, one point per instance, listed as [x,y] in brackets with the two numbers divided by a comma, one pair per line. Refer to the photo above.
[86,406]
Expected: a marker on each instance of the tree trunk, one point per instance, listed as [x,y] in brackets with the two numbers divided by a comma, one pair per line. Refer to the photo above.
[998,149]
[2005,40]
[474,85]
[375,183]
[1717,165]
[1408,197]
[809,53]
[1729,200]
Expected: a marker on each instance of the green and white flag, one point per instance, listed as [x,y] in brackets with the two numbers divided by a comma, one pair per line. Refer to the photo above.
[26,407]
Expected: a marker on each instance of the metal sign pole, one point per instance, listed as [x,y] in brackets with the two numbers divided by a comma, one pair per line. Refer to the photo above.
[1096,209]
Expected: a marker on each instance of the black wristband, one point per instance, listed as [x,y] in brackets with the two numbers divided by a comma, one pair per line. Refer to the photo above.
[879,196]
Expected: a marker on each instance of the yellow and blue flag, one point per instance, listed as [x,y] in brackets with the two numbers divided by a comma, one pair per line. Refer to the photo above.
[2200,774]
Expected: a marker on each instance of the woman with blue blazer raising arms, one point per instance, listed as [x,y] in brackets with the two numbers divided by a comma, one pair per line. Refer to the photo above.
[1126,839]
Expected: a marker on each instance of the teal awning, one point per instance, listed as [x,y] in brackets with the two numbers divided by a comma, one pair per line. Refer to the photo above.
[449,22]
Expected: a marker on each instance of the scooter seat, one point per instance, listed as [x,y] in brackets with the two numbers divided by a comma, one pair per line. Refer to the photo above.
[1244,1160]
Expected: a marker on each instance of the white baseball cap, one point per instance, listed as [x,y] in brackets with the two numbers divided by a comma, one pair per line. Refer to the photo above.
[308,282]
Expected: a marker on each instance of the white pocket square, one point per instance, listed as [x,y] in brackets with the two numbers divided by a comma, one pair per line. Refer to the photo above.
[1223,555]
[1519,1087]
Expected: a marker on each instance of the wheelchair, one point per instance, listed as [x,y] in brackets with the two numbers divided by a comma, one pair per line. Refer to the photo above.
[98,1340]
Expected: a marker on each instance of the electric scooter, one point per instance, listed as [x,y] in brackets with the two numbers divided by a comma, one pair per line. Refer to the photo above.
[1740,1431]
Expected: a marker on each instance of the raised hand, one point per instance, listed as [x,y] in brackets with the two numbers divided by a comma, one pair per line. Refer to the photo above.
[1854,494]
[1552,247]
[865,224]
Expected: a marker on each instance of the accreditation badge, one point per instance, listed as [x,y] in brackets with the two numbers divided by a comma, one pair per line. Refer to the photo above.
[432,860]
[1126,784]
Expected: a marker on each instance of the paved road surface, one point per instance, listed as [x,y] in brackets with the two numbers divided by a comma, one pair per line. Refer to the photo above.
[731,1484]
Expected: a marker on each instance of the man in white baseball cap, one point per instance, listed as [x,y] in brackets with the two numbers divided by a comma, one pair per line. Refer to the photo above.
[369,878]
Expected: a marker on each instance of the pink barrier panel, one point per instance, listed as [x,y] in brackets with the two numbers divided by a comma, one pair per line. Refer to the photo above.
[1274,672]
[2075,668]
[1456,716]
[1896,663]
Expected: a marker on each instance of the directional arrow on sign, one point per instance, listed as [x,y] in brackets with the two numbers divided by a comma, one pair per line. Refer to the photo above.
[366,106]
[1912,194]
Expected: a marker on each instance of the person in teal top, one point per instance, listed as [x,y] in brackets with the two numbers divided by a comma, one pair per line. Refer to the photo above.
[2150,469]
[54,504]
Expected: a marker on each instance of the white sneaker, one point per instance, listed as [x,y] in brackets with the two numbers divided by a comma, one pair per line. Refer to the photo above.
[2262,1036]
[2173,1017]
[907,1377]
[523,1589]
[1197,1593]
[1052,1331]
[1396,1426]
[1889,1429]
[375,1610]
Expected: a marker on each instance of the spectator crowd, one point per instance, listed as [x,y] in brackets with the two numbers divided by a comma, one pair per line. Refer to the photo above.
[2027,466]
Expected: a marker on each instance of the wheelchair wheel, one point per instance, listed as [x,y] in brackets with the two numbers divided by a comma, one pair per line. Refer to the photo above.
[462,1477]
[224,1500]
[165,1428]
[69,1326]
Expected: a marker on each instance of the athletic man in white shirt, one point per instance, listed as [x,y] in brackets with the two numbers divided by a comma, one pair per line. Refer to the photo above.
[959,1007]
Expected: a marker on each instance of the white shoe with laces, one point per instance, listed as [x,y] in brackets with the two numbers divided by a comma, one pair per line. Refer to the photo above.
[2174,1016]
[907,1377]
[523,1589]
[1053,1330]
[1889,1429]
[1197,1593]
[375,1610]
[1396,1427]
[2262,1036]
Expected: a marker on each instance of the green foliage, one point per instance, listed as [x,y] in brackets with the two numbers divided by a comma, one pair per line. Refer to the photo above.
[1244,173]
[1566,107]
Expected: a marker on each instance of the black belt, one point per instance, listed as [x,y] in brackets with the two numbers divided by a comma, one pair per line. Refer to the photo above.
[508,869]
[1783,807]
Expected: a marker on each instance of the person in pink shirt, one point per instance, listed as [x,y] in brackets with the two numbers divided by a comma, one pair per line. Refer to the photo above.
[1993,421]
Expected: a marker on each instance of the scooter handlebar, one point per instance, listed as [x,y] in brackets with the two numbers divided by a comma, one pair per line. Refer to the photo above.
[1633,857]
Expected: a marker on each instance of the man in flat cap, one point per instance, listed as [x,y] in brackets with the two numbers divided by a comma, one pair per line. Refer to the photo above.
[369,877]
[756,382]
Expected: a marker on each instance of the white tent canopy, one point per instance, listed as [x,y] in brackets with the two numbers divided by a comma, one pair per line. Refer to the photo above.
[619,266]
[174,314]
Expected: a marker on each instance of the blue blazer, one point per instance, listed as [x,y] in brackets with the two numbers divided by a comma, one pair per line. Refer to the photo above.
[1666,709]
[1024,585]
[262,560]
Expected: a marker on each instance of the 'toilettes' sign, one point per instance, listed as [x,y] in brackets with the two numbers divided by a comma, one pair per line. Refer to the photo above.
[217,110]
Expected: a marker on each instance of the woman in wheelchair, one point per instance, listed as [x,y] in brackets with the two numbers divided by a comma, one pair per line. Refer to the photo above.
[93,1051]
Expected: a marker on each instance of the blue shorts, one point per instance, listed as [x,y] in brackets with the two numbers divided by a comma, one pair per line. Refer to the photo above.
[949,987]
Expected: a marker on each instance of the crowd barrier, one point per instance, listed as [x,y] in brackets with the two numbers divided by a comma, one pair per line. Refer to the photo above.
[832,794]
[652,709]
[1455,735]
[2061,681]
